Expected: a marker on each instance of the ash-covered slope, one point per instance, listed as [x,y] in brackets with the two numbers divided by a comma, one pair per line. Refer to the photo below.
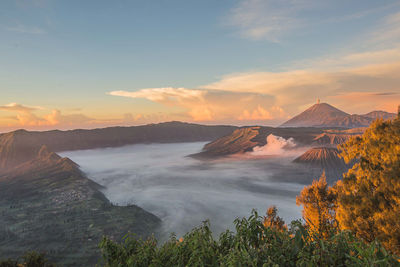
[241,140]
[325,115]
[246,138]
[331,139]
[48,204]
[324,159]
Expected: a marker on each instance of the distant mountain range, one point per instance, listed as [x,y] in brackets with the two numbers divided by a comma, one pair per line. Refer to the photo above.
[324,115]
[20,146]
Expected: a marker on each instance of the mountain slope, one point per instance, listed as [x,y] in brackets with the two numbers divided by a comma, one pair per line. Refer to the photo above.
[17,147]
[246,138]
[48,204]
[321,159]
[325,115]
[238,142]
[379,114]
[331,139]
[318,114]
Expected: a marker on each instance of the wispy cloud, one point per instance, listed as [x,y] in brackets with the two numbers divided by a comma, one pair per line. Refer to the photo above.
[388,31]
[166,94]
[274,19]
[18,108]
[266,19]
[25,29]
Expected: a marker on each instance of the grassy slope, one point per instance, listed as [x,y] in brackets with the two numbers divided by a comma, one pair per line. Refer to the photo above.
[58,210]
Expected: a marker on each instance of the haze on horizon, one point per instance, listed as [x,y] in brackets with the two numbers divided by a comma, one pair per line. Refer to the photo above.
[94,63]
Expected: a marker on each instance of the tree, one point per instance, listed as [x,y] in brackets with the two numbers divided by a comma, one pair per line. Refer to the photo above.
[369,194]
[319,203]
[273,220]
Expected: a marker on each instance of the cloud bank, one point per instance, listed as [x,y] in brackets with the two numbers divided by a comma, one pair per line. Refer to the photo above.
[183,192]
[26,117]
[212,105]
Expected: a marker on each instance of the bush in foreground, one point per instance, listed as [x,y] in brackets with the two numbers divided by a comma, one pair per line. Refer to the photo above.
[30,259]
[252,244]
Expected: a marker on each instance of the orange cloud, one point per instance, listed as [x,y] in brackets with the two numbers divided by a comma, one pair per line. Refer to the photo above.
[297,89]
[201,114]
[167,94]
[242,97]
[387,101]
[208,105]
[26,117]
[258,114]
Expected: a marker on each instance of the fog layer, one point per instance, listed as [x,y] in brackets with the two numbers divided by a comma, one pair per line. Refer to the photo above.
[183,191]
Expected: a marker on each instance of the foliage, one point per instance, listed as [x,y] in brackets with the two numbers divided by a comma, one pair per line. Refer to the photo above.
[369,194]
[252,244]
[319,201]
[273,220]
[30,259]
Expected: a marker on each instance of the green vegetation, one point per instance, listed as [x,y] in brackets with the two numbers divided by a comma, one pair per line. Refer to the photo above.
[252,244]
[29,259]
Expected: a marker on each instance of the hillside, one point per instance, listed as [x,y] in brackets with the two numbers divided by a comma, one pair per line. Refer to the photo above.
[325,115]
[48,204]
[379,114]
[321,159]
[246,138]
[327,139]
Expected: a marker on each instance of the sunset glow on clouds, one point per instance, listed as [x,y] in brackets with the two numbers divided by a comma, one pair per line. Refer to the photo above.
[270,97]
[244,62]
[208,105]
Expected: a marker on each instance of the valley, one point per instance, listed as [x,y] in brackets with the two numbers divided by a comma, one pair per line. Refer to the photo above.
[63,190]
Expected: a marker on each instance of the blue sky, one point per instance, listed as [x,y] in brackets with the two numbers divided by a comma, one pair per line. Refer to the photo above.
[69,55]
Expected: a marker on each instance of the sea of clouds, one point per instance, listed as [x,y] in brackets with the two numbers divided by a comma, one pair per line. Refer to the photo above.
[183,191]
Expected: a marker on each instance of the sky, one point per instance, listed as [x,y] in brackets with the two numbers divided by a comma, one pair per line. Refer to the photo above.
[89,64]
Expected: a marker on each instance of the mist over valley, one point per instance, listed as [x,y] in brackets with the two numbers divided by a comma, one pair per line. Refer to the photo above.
[183,191]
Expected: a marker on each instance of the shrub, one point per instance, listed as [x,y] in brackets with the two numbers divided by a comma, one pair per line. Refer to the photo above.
[252,244]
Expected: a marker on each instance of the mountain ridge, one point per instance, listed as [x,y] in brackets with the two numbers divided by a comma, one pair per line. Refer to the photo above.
[326,115]
[21,146]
